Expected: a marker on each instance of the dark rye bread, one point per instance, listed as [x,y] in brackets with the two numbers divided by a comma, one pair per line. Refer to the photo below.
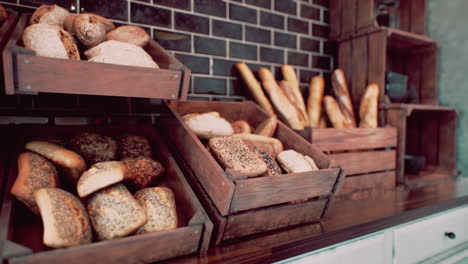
[144,171]
[94,147]
[273,167]
[34,173]
[114,212]
[234,154]
[64,217]
[159,204]
[133,146]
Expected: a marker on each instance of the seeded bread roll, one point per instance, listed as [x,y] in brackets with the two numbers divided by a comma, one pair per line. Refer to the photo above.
[241,126]
[64,217]
[144,171]
[89,30]
[116,52]
[115,213]
[133,146]
[160,207]
[3,14]
[49,14]
[130,34]
[50,41]
[34,173]
[268,144]
[101,175]
[234,154]
[69,162]
[208,125]
[94,147]
[273,169]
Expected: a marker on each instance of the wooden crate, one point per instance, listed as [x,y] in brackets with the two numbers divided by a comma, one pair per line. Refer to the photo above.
[366,155]
[26,73]
[248,206]
[429,131]
[350,17]
[22,231]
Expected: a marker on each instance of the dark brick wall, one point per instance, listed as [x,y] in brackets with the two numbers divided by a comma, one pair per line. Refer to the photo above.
[218,34]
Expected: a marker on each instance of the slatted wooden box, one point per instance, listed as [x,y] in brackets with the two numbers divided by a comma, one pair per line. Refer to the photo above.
[21,231]
[366,155]
[243,207]
[27,73]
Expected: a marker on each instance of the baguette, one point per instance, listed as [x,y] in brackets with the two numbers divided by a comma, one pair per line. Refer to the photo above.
[322,121]
[334,112]
[268,144]
[314,103]
[286,87]
[255,87]
[159,204]
[268,127]
[241,126]
[369,107]
[340,88]
[290,76]
[101,175]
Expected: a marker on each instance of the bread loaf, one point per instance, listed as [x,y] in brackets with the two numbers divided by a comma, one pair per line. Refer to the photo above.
[3,14]
[50,41]
[268,127]
[368,110]
[208,125]
[290,75]
[49,14]
[34,173]
[273,168]
[133,146]
[69,162]
[287,90]
[89,30]
[234,154]
[108,25]
[130,34]
[114,212]
[294,162]
[101,175]
[68,23]
[268,144]
[160,207]
[340,88]
[144,171]
[314,104]
[94,147]
[64,217]
[241,126]
[334,112]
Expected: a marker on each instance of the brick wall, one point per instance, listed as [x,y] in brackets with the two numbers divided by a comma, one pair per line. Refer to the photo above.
[214,34]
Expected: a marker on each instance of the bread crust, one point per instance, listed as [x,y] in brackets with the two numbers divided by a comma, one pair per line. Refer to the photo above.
[314,103]
[133,146]
[160,207]
[368,110]
[290,76]
[268,144]
[241,126]
[273,169]
[89,30]
[94,147]
[130,34]
[294,162]
[287,90]
[334,112]
[143,171]
[268,127]
[101,175]
[49,14]
[208,125]
[341,91]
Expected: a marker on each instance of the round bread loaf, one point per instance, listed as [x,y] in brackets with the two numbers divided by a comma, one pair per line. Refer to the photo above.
[94,147]
[68,23]
[101,175]
[34,173]
[50,41]
[108,25]
[89,30]
[3,14]
[130,34]
[160,206]
[64,217]
[144,171]
[49,14]
[133,146]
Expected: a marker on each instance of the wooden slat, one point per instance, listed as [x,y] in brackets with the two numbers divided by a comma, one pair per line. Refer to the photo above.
[413,71]
[349,12]
[335,18]
[365,162]
[428,69]
[332,139]
[429,138]
[397,118]
[273,218]
[447,138]
[377,61]
[264,191]
[404,14]
[359,64]
[345,59]
[418,17]
[380,180]
[365,12]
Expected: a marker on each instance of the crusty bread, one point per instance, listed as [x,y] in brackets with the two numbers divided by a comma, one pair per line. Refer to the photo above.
[89,30]
[268,127]
[130,34]
[234,154]
[314,104]
[133,146]
[160,207]
[241,126]
[108,25]
[268,144]
[311,162]
[294,162]
[208,125]
[273,169]
[50,41]
[68,23]
[70,163]
[290,75]
[64,217]
[144,171]
[3,14]
[341,91]
[334,113]
[94,147]
[116,52]
[287,90]
[34,173]
[49,14]
[369,107]
[114,212]
[101,175]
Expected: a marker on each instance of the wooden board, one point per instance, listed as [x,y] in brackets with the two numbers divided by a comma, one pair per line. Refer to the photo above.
[349,18]
[5,31]
[365,18]
[365,162]
[379,180]
[377,61]
[335,18]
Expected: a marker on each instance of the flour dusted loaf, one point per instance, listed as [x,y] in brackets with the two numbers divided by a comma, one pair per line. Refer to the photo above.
[268,144]
[94,147]
[89,30]
[208,125]
[130,34]
[49,14]
[50,41]
[133,146]
[64,217]
[101,175]
[143,171]
[294,162]
[116,52]
[160,206]
[114,212]
[34,173]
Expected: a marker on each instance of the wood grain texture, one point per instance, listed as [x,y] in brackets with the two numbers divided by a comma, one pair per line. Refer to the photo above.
[264,191]
[345,59]
[380,180]
[7,52]
[335,18]
[377,43]
[358,81]
[365,162]
[429,94]
[348,23]
[418,17]
[365,14]
[404,15]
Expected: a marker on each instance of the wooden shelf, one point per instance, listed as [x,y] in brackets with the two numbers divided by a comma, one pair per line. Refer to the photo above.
[403,40]
[418,107]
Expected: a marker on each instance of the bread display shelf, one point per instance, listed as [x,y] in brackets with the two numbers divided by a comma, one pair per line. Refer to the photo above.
[244,207]
[22,231]
[26,73]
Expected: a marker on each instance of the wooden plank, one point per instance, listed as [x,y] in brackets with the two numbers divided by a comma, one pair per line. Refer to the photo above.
[7,55]
[365,14]
[349,11]
[332,139]
[429,94]
[377,61]
[273,218]
[404,13]
[418,17]
[380,180]
[335,18]
[413,135]
[365,162]
[448,139]
[359,77]
[345,53]
[264,191]
[414,73]
[397,118]
[430,137]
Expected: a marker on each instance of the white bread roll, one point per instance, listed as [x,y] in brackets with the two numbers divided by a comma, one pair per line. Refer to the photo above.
[49,14]
[160,207]
[208,125]
[294,162]
[130,34]
[101,175]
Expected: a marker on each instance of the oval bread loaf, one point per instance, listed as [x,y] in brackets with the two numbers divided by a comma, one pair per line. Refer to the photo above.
[130,34]
[241,126]
[49,14]
[160,206]
[268,144]
[208,125]
[101,175]
[94,147]
[133,146]
[89,30]
[294,162]
[143,171]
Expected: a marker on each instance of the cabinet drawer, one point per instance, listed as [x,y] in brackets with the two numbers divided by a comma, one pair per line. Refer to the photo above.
[420,240]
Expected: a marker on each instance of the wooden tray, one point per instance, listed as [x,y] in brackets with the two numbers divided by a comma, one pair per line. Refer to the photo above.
[366,155]
[26,73]
[22,231]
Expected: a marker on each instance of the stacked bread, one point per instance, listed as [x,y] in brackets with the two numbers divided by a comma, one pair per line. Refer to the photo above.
[287,100]
[245,154]
[54,32]
[87,184]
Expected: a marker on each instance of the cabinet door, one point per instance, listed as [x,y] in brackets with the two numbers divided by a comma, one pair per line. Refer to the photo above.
[369,250]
